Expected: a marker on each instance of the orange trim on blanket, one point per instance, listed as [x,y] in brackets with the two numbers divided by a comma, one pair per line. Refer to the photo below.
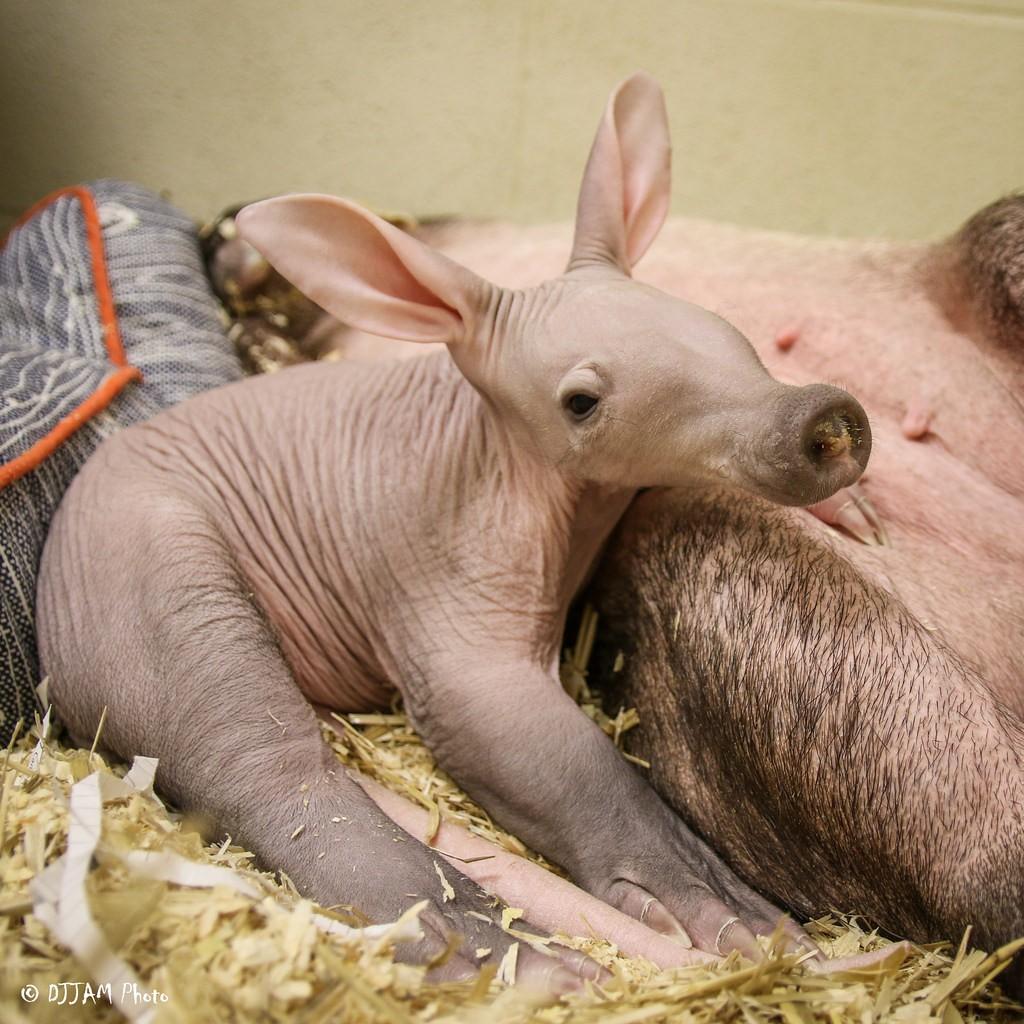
[96,402]
[110,386]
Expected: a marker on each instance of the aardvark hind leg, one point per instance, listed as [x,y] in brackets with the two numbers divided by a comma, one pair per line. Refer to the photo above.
[171,643]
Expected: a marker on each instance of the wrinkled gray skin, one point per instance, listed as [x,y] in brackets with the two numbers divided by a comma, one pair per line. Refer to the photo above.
[329,533]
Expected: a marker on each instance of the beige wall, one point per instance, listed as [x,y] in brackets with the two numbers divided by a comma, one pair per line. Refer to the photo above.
[843,116]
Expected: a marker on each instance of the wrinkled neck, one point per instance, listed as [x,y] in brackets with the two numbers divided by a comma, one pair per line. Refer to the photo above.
[492,460]
[588,511]
[598,511]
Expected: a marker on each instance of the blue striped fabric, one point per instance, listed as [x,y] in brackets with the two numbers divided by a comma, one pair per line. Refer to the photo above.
[53,355]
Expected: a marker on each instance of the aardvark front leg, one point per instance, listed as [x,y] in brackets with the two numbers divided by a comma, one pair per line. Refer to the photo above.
[518,744]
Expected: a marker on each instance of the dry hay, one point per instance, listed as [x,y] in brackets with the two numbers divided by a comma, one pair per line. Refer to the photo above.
[242,945]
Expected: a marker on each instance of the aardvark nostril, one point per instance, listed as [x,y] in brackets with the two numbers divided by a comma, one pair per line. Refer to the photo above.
[835,430]
[832,435]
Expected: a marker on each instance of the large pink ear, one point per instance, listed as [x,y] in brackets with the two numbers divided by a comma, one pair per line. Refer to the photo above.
[362,269]
[626,187]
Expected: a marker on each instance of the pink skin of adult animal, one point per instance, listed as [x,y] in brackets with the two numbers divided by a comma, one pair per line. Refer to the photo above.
[330,533]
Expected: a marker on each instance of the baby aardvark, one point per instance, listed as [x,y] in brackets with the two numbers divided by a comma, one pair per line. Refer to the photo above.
[333,532]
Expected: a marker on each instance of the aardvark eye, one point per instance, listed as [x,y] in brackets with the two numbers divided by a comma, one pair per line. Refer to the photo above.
[580,404]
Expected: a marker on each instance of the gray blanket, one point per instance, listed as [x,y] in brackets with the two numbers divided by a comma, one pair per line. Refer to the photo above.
[106,317]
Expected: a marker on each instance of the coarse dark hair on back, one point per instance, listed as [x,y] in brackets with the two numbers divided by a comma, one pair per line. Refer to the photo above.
[800,719]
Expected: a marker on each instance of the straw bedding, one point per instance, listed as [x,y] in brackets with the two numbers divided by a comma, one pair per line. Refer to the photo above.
[222,941]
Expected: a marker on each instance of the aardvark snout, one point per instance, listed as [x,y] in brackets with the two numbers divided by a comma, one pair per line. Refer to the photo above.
[822,441]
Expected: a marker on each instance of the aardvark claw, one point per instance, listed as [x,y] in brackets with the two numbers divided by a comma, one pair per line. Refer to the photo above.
[851,511]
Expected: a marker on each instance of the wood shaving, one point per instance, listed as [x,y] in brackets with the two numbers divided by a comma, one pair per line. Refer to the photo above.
[449,892]
[197,923]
